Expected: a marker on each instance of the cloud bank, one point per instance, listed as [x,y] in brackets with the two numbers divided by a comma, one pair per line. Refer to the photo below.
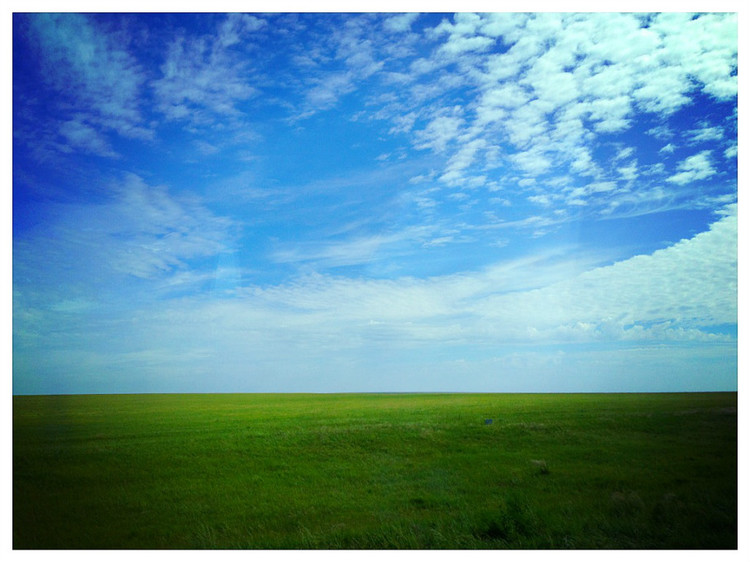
[512,315]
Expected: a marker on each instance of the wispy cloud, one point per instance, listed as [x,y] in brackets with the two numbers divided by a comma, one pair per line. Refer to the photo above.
[205,77]
[93,72]
[80,136]
[643,298]
[309,193]
[338,60]
[353,251]
[644,301]
[140,231]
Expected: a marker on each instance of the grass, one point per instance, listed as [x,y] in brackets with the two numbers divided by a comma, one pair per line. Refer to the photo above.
[374,471]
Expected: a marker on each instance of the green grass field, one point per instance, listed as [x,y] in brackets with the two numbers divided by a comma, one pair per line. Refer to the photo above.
[375,471]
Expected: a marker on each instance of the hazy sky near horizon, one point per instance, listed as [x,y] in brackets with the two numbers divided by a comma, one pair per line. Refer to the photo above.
[374,202]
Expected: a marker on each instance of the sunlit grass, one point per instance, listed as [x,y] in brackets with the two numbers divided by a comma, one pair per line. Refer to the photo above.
[376,471]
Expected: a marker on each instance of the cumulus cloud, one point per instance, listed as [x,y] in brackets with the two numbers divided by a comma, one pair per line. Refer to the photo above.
[693,168]
[463,35]
[689,285]
[536,90]
[401,22]
[705,133]
[439,132]
[562,81]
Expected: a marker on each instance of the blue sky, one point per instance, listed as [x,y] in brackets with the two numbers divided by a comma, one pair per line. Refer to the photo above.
[374,202]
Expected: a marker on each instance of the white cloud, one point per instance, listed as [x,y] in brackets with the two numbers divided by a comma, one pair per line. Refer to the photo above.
[439,133]
[661,132]
[401,22]
[349,246]
[551,83]
[629,172]
[707,46]
[691,284]
[460,161]
[668,148]
[517,109]
[141,231]
[457,45]
[545,200]
[204,76]
[328,89]
[533,161]
[600,81]
[655,86]
[98,83]
[82,137]
[693,168]
[205,147]
[610,114]
[340,58]
[235,26]
[505,97]
[462,34]
[705,133]
[507,25]
[678,294]
[323,323]
[625,153]
[526,124]
[564,80]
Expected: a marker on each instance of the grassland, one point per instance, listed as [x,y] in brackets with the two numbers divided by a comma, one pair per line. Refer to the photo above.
[375,471]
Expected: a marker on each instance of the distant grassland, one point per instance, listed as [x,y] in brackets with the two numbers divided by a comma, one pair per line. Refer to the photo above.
[375,471]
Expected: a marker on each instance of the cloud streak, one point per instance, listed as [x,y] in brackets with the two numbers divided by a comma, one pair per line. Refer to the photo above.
[681,294]
[206,77]
[96,74]
[137,232]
